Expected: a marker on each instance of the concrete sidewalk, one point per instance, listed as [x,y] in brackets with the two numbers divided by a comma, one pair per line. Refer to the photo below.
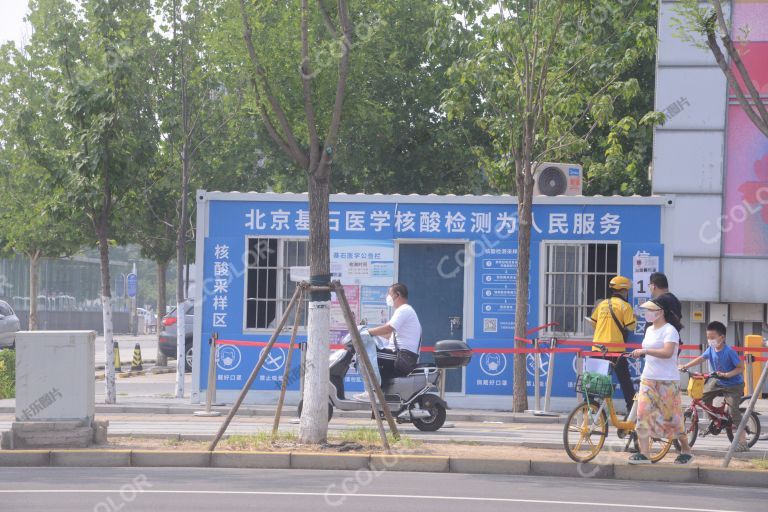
[182,406]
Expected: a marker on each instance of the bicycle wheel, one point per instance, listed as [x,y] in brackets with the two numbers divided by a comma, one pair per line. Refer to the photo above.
[584,432]
[690,427]
[752,429]
[658,448]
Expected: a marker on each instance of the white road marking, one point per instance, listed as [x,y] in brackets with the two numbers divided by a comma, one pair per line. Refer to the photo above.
[345,495]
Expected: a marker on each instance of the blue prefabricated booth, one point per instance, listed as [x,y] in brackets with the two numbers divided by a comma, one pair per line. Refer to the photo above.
[456,254]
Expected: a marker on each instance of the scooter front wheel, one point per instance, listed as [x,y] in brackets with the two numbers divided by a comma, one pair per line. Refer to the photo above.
[436,417]
[301,405]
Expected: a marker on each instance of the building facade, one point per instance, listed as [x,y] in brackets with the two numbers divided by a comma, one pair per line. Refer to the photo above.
[714,162]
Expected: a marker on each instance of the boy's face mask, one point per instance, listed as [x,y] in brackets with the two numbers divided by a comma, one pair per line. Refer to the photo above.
[715,342]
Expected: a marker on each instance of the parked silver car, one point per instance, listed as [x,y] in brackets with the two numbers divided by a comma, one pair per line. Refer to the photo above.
[9,325]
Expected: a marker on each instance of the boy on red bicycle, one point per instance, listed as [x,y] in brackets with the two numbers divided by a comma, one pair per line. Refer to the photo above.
[725,362]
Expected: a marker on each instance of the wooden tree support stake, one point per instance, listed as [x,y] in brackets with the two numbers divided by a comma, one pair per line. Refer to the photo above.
[289,359]
[372,386]
[256,369]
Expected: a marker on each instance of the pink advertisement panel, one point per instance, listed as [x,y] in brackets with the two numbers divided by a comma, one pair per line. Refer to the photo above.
[745,215]
[745,227]
[750,20]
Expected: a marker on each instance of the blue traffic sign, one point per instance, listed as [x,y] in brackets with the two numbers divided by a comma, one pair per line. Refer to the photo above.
[132,281]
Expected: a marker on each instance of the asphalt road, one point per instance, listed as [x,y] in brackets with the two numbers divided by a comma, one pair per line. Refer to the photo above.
[146,387]
[191,490]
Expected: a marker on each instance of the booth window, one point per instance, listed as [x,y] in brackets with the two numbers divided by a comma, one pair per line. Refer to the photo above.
[576,277]
[268,286]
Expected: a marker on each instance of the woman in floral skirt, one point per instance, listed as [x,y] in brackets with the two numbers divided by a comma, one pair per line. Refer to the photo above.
[659,408]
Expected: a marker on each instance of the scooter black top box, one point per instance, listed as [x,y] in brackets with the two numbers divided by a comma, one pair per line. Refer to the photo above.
[452,354]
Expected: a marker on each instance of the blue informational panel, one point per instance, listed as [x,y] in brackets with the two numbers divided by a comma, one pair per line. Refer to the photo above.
[364,235]
[132,284]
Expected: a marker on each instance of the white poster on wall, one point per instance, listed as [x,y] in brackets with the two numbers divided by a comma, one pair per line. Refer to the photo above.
[643,265]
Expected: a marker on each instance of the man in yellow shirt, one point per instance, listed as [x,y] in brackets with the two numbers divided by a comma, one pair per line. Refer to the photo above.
[613,320]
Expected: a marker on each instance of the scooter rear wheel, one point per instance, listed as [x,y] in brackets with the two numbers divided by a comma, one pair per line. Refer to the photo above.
[301,405]
[436,418]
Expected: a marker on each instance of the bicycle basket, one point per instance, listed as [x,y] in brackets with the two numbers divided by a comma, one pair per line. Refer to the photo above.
[594,384]
[696,387]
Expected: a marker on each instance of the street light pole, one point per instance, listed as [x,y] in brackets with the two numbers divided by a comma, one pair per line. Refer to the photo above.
[134,319]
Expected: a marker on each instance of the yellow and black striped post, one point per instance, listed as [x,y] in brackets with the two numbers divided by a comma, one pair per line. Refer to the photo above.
[136,365]
[116,350]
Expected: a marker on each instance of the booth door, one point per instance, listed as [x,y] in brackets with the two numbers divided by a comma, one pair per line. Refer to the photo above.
[434,275]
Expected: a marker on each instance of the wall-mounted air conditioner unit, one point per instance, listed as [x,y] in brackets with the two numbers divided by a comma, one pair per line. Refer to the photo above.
[553,179]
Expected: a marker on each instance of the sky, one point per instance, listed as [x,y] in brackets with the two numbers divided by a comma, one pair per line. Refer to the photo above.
[12,26]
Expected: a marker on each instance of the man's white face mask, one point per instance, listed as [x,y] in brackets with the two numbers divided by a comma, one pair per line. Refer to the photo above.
[390,301]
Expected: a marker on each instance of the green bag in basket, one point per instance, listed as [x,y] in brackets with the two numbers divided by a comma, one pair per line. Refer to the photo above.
[597,384]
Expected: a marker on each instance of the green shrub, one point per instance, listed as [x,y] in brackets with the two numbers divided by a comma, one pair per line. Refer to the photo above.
[7,374]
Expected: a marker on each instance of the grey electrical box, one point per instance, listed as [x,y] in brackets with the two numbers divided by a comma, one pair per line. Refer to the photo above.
[718,313]
[698,312]
[743,312]
[54,376]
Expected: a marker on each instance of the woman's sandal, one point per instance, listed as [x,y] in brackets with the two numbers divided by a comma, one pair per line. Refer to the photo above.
[639,458]
[684,458]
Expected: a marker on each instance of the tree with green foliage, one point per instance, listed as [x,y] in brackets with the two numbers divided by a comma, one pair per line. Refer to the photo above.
[396,138]
[97,53]
[35,222]
[544,87]
[296,62]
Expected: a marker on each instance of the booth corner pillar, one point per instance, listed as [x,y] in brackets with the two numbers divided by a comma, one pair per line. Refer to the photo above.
[753,368]
[55,403]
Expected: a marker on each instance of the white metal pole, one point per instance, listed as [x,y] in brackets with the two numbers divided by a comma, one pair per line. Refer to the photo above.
[536,374]
[750,407]
[550,374]
[210,394]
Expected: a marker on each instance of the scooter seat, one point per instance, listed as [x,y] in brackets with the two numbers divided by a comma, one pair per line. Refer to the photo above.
[426,365]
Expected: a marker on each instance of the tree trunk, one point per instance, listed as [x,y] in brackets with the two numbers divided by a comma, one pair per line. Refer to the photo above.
[314,418]
[181,241]
[525,220]
[162,271]
[106,303]
[34,265]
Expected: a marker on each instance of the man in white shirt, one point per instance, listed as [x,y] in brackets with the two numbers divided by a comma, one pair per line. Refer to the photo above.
[404,325]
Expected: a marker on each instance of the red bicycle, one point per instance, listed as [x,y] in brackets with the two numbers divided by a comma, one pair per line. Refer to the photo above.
[719,417]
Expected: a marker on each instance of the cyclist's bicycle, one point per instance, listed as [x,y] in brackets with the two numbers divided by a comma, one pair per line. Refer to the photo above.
[586,428]
[719,417]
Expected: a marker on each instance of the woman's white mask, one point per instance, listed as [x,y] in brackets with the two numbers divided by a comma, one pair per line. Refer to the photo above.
[652,316]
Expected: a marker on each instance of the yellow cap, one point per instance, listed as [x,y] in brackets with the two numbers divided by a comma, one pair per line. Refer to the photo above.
[620,283]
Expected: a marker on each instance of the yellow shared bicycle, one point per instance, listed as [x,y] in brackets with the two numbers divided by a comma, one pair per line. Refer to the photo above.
[586,428]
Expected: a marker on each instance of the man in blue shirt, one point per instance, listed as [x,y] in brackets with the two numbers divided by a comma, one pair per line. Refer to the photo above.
[725,361]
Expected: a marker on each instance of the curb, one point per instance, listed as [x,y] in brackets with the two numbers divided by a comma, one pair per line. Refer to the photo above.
[99,375]
[250,412]
[377,462]
[129,374]
[90,458]
[100,367]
